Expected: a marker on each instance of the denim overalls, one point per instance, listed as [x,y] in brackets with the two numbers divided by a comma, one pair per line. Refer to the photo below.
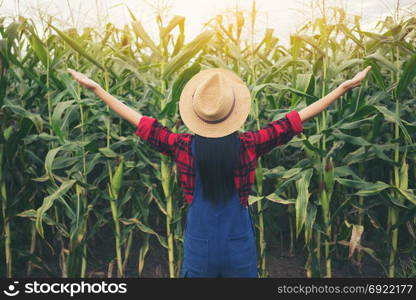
[219,240]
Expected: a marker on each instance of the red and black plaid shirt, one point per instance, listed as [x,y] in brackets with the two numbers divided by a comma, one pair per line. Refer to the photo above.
[254,144]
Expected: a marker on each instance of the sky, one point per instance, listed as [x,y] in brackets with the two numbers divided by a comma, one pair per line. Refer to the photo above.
[283,16]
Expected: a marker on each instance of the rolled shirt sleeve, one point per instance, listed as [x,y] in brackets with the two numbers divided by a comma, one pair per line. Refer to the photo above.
[275,133]
[295,121]
[144,127]
[158,136]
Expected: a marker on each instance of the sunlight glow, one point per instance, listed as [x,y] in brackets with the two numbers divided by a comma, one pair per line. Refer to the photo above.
[283,16]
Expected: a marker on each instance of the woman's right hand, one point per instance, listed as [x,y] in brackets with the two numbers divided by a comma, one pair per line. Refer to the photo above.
[84,80]
[356,81]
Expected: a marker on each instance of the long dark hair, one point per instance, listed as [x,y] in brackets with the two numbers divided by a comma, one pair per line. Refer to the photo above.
[216,159]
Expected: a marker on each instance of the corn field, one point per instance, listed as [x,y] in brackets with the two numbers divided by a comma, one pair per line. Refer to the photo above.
[72,171]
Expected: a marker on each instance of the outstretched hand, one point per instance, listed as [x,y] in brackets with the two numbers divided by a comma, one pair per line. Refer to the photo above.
[84,80]
[356,81]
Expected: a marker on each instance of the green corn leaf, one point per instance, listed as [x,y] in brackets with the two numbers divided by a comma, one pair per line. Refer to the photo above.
[253,199]
[39,49]
[379,151]
[175,21]
[142,34]
[215,61]
[313,43]
[303,81]
[179,44]
[78,48]
[355,140]
[396,201]
[12,32]
[349,34]
[48,202]
[302,200]
[274,198]
[32,213]
[392,117]
[175,91]
[145,229]
[161,205]
[182,79]
[365,188]
[187,53]
[50,156]
[407,76]
[310,221]
[107,152]
[376,74]
[407,194]
[381,59]
[36,119]
[309,146]
[60,108]
[347,64]
[278,86]
[277,68]
[142,254]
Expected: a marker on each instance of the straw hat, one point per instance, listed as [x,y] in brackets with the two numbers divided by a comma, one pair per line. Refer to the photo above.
[214,103]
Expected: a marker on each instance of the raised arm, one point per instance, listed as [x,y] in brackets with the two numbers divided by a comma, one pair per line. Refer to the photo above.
[318,106]
[160,137]
[116,105]
[281,131]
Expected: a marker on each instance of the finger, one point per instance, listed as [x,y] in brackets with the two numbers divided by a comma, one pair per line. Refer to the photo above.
[367,69]
[82,76]
[71,72]
[74,74]
[77,73]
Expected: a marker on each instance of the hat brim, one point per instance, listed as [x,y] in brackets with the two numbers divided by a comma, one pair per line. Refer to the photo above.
[233,122]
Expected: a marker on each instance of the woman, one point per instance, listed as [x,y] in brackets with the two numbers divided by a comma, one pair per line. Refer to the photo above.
[217,164]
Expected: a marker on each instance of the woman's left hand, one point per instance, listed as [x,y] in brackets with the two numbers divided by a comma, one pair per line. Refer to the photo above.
[84,80]
[356,81]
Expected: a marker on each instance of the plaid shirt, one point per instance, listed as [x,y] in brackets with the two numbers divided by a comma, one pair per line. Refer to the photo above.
[254,144]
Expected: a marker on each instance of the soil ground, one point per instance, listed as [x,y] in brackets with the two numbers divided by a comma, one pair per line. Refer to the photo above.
[279,262]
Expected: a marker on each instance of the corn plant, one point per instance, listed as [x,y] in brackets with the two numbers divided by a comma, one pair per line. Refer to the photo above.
[70,169]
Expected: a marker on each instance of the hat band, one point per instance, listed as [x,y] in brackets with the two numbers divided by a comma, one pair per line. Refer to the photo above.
[215,121]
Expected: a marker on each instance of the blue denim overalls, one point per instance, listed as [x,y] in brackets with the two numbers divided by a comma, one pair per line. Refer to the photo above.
[219,240]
